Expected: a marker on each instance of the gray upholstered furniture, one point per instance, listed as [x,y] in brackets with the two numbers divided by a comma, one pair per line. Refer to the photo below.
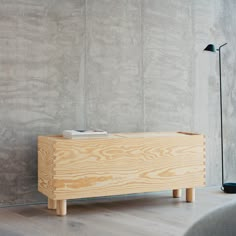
[219,222]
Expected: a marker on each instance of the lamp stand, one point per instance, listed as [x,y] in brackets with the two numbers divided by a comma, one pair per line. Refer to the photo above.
[221,117]
[226,187]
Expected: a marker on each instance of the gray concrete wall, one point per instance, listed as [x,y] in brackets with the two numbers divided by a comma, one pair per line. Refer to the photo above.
[118,65]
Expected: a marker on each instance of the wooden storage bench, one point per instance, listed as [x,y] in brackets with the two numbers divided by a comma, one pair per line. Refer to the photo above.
[122,163]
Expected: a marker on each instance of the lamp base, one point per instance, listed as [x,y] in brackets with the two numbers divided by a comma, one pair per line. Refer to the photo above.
[229,187]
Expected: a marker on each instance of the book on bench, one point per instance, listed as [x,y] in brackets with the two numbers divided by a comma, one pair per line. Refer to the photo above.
[70,134]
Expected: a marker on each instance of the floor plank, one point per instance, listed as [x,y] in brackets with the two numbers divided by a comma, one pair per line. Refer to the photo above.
[141,215]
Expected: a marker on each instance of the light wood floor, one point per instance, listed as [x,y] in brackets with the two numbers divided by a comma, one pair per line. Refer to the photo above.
[145,214]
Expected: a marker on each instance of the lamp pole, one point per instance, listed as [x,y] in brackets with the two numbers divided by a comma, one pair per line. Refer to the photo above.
[221,116]
[226,187]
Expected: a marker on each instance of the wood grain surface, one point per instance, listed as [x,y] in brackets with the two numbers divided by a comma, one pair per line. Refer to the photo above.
[117,164]
[45,166]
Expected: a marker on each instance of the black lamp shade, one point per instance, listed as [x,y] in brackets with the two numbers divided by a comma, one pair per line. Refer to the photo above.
[210,48]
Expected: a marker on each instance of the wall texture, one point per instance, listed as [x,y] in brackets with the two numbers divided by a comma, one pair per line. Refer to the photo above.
[119,65]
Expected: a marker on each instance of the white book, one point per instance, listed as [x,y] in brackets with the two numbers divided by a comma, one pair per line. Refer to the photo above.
[70,134]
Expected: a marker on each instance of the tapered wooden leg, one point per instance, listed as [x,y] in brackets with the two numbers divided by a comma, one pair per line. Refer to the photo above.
[52,204]
[190,194]
[61,207]
[177,193]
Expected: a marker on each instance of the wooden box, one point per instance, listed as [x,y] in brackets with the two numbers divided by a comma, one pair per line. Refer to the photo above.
[120,163]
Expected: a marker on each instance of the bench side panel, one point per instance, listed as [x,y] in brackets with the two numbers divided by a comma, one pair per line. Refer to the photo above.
[103,167]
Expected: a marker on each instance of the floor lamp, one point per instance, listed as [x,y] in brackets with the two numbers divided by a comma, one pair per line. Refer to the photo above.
[226,187]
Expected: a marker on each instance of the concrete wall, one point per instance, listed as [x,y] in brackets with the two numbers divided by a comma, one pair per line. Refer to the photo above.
[119,65]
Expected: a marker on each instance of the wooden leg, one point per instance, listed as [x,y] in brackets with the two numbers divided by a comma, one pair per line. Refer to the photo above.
[190,195]
[52,204]
[61,207]
[177,193]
